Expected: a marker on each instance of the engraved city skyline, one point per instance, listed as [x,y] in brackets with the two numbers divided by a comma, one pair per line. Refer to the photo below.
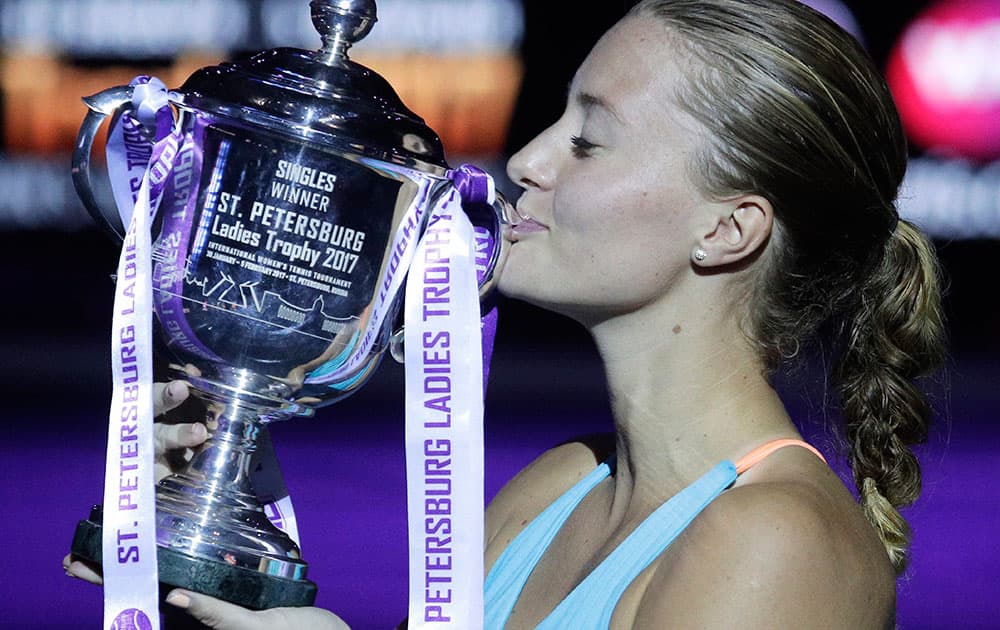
[246,298]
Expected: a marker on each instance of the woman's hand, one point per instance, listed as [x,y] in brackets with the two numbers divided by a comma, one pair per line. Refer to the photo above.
[173,441]
[221,615]
[172,445]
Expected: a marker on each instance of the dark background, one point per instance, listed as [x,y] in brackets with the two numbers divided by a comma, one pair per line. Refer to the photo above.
[345,466]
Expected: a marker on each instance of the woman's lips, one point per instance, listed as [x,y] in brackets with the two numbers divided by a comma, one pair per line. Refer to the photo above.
[527,226]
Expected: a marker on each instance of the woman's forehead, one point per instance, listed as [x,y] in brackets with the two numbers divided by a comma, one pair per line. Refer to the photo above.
[631,72]
[636,52]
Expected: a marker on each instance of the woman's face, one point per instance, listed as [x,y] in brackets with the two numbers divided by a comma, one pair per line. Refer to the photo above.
[615,213]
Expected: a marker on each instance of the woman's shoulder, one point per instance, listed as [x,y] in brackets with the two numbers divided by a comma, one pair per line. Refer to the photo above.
[787,550]
[540,483]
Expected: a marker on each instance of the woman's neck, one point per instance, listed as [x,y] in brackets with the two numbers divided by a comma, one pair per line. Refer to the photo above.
[686,393]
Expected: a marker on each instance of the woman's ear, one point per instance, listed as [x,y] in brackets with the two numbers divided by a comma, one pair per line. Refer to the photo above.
[740,232]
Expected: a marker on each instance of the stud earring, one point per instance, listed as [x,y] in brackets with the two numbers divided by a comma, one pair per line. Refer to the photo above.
[700,254]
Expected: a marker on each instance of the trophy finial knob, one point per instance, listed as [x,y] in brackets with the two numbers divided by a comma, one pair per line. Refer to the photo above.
[341,23]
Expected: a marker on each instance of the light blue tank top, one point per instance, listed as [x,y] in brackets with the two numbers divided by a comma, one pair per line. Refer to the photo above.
[592,602]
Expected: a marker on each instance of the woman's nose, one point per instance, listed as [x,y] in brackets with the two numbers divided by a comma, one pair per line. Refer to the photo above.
[531,167]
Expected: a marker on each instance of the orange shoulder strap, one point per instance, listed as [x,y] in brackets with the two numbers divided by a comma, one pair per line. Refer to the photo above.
[758,454]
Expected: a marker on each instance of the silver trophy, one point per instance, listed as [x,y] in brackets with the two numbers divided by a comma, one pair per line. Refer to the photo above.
[270,254]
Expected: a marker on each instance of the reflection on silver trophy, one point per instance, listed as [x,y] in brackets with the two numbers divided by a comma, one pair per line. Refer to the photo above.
[275,257]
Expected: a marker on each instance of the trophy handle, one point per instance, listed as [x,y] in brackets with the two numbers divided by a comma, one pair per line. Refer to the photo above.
[490,217]
[501,212]
[99,107]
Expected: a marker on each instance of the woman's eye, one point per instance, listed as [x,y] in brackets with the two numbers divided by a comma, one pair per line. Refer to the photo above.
[582,146]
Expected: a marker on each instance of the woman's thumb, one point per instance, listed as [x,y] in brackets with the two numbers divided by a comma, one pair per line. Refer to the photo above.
[212,612]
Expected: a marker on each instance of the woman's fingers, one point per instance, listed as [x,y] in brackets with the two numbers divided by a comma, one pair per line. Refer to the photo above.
[167,396]
[212,612]
[168,437]
[172,444]
[80,569]
[221,615]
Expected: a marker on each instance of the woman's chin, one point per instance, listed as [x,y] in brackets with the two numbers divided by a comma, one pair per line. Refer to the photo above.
[517,281]
[510,289]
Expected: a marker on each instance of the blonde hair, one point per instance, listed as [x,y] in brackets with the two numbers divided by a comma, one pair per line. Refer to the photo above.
[796,111]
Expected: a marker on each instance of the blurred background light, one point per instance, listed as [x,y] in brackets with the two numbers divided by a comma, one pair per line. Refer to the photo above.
[944,72]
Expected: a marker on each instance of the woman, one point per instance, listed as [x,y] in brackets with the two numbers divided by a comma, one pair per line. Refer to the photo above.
[718,194]
[719,189]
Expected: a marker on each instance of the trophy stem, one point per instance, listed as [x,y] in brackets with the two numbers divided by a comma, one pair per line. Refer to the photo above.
[210,511]
[225,458]
[211,531]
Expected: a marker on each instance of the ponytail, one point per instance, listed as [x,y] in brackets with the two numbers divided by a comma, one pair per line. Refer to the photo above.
[896,336]
[815,131]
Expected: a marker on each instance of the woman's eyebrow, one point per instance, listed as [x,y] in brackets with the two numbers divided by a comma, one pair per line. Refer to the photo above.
[591,101]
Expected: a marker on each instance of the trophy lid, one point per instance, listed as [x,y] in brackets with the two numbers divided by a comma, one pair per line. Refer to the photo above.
[321,96]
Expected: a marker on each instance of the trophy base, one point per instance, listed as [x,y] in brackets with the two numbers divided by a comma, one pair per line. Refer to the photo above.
[238,585]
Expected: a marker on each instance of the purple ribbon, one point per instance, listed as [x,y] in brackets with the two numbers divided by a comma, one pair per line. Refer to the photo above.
[151,105]
[478,193]
[473,183]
